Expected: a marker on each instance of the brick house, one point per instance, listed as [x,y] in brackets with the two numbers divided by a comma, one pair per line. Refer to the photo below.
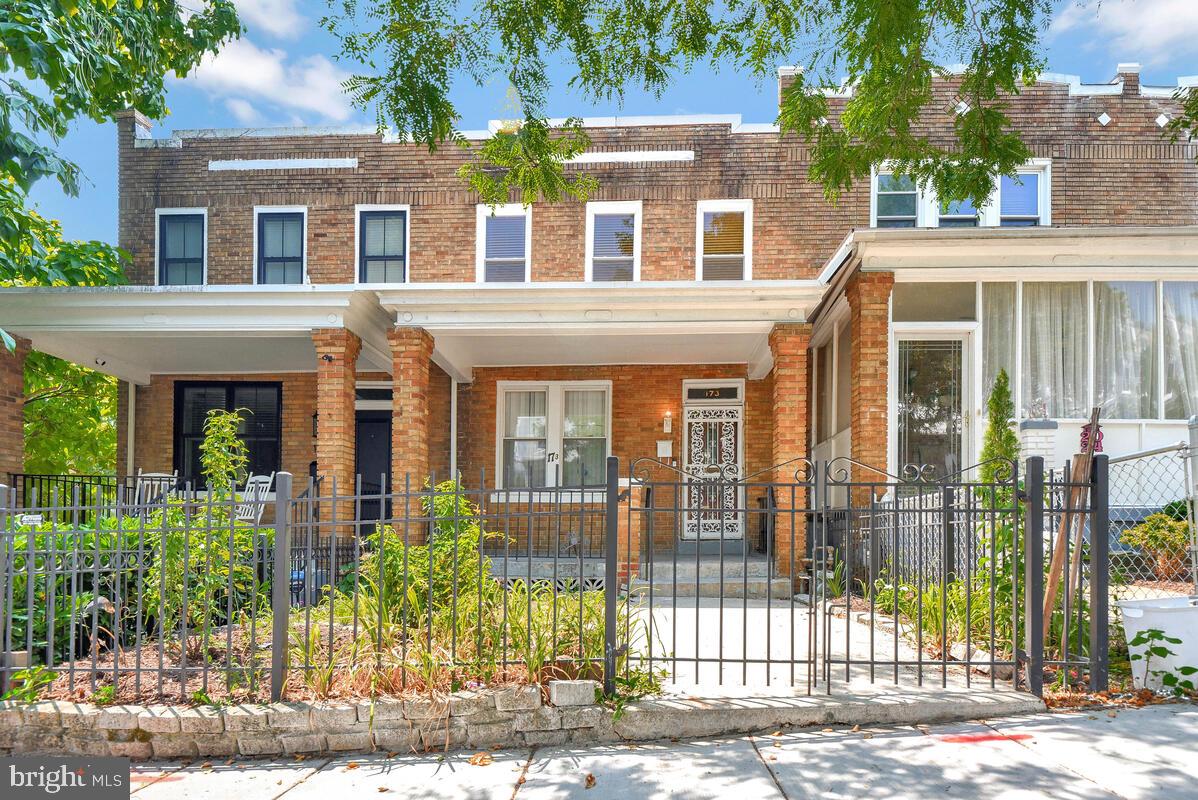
[707,305]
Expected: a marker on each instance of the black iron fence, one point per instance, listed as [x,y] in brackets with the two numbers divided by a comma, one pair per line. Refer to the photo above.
[808,574]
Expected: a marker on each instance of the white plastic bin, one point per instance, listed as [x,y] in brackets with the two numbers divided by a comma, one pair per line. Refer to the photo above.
[1177,617]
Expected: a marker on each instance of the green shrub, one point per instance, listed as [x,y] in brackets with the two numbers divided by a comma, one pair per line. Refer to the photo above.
[1165,540]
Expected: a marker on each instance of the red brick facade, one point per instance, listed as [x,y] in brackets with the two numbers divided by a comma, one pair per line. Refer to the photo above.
[790,345]
[336,372]
[12,409]
[412,349]
[868,294]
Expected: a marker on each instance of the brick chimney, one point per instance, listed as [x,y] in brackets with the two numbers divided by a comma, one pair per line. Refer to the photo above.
[1129,73]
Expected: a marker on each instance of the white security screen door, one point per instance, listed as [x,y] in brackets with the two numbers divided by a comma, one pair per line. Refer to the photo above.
[713,443]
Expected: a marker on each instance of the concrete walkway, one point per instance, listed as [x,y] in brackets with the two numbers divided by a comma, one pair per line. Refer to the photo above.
[1144,753]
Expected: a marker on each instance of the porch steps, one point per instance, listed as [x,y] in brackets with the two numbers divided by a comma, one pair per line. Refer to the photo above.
[749,588]
[749,579]
[664,568]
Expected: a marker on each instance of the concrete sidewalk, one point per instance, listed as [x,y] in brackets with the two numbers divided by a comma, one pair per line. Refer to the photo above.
[1144,753]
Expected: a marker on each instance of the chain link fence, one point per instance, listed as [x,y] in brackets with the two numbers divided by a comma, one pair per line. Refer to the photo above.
[1157,481]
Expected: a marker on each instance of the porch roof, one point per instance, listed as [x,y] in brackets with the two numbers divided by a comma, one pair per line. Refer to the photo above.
[649,322]
[133,332]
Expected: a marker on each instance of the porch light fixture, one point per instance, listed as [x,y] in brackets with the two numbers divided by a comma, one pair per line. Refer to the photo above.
[314,416]
[667,424]
[327,358]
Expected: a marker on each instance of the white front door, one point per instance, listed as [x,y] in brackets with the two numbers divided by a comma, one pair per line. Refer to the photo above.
[712,443]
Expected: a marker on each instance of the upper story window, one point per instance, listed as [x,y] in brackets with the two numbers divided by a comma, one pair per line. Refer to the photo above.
[504,243]
[613,241]
[725,240]
[896,201]
[958,214]
[181,247]
[280,245]
[382,244]
[1022,201]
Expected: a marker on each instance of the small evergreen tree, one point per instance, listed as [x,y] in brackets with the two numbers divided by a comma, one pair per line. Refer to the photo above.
[1000,441]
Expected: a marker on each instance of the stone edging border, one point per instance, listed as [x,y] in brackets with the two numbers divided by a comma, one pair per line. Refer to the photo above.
[493,718]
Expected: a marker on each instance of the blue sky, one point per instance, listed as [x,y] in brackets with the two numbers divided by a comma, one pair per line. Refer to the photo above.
[282,72]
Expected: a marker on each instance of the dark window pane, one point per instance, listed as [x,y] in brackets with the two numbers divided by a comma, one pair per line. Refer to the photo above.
[503,271]
[197,402]
[181,250]
[895,183]
[505,237]
[723,268]
[612,269]
[896,205]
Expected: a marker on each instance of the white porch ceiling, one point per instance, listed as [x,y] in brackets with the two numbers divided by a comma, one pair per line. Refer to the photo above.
[459,352]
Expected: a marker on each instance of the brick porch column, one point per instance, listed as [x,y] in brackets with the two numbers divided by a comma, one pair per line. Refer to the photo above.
[789,344]
[12,410]
[336,365]
[411,351]
[628,539]
[868,294]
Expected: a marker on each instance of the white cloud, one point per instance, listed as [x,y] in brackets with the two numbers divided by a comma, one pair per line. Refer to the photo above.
[260,78]
[243,110]
[1149,31]
[277,17]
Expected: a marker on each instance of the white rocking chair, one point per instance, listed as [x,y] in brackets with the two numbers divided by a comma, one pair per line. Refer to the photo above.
[253,499]
[154,488]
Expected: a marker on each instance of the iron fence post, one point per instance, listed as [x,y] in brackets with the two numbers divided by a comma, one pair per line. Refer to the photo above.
[611,574]
[280,578]
[950,539]
[1099,571]
[6,615]
[1033,576]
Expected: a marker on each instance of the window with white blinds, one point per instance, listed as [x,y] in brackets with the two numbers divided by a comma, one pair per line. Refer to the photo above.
[725,240]
[612,241]
[383,245]
[504,237]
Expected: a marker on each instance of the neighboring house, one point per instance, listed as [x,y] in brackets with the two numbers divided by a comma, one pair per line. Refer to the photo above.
[707,304]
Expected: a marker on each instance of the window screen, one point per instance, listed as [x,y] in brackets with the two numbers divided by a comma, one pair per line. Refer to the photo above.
[614,246]
[281,247]
[723,245]
[504,259]
[181,249]
[383,246]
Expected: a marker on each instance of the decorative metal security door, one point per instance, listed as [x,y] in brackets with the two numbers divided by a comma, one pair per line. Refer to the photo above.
[712,443]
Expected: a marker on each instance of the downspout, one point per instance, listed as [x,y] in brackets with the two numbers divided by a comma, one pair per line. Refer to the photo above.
[453,428]
[130,456]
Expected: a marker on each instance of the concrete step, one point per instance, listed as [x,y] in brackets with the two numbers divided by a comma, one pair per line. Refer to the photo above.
[753,588]
[664,568]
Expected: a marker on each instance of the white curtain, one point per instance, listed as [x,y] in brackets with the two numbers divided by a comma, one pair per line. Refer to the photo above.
[584,437]
[1054,350]
[524,440]
[1125,383]
[1181,349]
[998,334]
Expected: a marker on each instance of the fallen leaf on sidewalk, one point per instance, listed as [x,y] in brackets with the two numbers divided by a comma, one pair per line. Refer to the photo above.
[352,765]
[206,765]
[867,736]
[482,759]
[590,781]
[855,728]
[384,789]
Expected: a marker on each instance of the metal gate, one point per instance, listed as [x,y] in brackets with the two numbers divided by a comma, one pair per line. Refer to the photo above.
[847,574]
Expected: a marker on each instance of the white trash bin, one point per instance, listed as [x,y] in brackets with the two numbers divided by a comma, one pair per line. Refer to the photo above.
[1177,617]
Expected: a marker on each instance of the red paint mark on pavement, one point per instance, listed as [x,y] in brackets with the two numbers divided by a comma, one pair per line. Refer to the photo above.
[971,738]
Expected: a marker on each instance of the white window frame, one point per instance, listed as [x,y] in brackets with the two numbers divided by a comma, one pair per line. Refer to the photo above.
[927,206]
[633,207]
[744,206]
[482,211]
[921,205]
[303,210]
[159,213]
[407,245]
[555,397]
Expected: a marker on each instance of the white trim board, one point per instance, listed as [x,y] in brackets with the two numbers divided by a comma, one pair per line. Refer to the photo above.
[253,164]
